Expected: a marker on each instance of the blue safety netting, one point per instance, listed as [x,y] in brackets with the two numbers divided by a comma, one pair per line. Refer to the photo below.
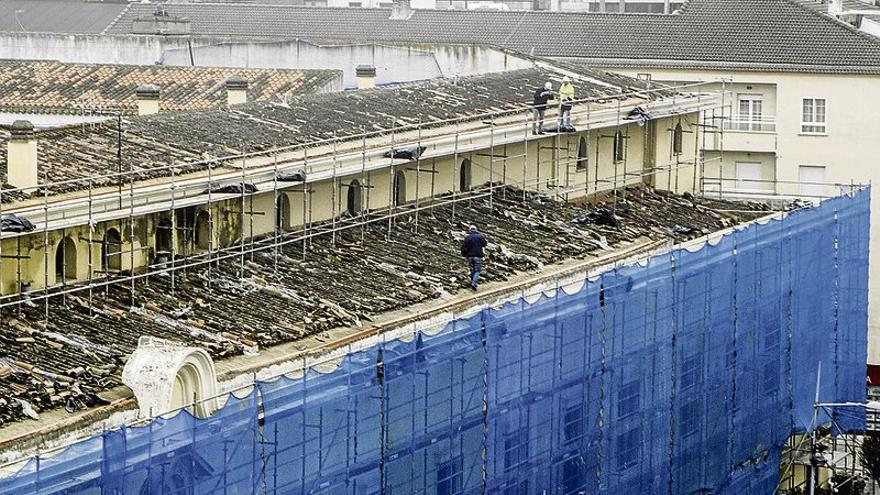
[683,375]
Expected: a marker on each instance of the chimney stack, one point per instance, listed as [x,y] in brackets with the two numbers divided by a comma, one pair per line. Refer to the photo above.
[621,6]
[602,6]
[366,76]
[21,155]
[236,90]
[401,10]
[147,99]
[666,6]
[835,7]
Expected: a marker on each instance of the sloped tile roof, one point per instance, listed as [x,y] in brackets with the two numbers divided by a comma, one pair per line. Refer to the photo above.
[56,87]
[152,142]
[760,34]
[58,16]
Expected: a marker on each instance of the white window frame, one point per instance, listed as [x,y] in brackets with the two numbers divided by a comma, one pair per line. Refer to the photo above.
[814,190]
[748,122]
[748,183]
[813,123]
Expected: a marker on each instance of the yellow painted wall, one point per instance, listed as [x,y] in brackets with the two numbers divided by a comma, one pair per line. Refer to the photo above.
[189,232]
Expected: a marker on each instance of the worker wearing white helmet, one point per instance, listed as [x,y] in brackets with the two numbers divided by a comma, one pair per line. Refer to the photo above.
[566,97]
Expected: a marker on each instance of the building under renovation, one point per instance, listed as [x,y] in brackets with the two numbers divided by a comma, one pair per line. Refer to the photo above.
[267,297]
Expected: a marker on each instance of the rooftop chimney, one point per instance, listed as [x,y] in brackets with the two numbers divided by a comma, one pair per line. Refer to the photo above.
[147,99]
[236,90]
[835,7]
[366,76]
[401,10]
[21,155]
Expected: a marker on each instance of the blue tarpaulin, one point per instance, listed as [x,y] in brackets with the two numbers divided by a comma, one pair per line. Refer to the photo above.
[683,375]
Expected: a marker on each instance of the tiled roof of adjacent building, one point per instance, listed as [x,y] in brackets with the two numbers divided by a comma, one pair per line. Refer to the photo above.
[58,16]
[56,87]
[751,34]
[151,142]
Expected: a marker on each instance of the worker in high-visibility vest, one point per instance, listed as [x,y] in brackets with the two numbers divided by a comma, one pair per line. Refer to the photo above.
[566,97]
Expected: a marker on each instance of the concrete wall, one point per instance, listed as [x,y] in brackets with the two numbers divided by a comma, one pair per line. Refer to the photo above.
[849,151]
[401,63]
[412,62]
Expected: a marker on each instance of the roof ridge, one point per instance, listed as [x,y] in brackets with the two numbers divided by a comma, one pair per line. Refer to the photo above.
[835,21]
[117,18]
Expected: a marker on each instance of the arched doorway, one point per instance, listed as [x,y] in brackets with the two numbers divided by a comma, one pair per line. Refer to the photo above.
[464,175]
[677,139]
[354,200]
[399,189]
[65,260]
[111,251]
[282,213]
[582,154]
[164,236]
[203,230]
[618,146]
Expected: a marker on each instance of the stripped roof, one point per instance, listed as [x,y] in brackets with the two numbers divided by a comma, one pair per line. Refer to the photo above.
[150,142]
[56,87]
[778,35]
[228,308]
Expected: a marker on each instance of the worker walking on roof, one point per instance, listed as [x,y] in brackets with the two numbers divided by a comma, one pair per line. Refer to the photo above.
[566,97]
[472,250]
[539,106]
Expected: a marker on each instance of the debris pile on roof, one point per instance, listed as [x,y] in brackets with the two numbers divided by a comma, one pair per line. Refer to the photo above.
[231,308]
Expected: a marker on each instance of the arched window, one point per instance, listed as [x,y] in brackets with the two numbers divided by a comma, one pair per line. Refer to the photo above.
[618,146]
[354,200]
[582,154]
[282,213]
[677,139]
[399,188]
[464,175]
[65,260]
[111,251]
[164,236]
[203,230]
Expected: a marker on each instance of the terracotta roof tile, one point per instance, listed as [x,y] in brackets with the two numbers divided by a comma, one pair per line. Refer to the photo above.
[56,87]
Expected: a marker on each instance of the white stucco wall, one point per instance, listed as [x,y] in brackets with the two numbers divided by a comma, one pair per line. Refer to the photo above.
[850,150]
[399,63]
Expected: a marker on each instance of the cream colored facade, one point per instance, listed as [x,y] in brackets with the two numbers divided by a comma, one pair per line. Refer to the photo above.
[566,166]
[778,150]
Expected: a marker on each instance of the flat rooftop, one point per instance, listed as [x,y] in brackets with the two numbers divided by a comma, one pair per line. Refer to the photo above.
[237,306]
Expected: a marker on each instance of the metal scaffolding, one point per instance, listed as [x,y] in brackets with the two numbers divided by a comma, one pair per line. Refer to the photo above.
[191,199]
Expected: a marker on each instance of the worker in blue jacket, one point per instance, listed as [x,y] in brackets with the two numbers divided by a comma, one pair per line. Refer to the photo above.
[472,250]
[539,106]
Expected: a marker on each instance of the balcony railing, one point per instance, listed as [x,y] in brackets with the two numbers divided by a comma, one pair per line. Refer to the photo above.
[737,123]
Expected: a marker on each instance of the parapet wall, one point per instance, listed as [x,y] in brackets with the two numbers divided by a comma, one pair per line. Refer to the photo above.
[686,372]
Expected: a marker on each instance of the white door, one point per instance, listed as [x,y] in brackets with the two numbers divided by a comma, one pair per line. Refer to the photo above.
[751,112]
[748,176]
[811,178]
